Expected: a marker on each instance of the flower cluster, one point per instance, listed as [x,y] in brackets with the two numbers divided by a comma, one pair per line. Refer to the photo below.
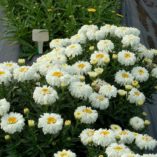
[93,79]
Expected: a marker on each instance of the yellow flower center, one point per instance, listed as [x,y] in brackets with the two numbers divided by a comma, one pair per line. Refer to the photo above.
[64,154]
[100,98]
[57,40]
[12,120]
[123,133]
[72,46]
[87,110]
[2,73]
[90,133]
[118,148]
[136,93]
[51,120]
[81,65]
[23,69]
[57,74]
[141,72]
[45,91]
[105,133]
[127,55]
[9,64]
[125,75]
[146,138]
[99,56]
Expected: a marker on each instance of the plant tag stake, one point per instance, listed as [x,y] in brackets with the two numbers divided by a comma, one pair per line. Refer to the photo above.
[40,36]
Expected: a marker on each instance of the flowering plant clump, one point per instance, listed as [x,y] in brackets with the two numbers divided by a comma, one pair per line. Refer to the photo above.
[83,98]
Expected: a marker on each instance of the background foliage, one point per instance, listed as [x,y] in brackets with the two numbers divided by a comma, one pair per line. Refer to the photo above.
[62,18]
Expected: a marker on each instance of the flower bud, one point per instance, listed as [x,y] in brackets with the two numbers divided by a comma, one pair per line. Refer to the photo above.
[114,56]
[67,122]
[99,70]
[31,123]
[92,74]
[106,60]
[21,61]
[91,48]
[26,110]
[140,103]
[122,92]
[144,113]
[147,122]
[7,137]
[128,87]
[82,78]
[135,83]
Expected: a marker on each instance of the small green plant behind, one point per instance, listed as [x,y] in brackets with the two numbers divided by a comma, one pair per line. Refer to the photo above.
[62,18]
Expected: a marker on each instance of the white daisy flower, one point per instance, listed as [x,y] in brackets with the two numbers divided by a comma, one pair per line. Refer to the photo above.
[123,77]
[137,123]
[105,45]
[104,137]
[5,76]
[45,95]
[78,38]
[99,58]
[51,123]
[81,67]
[117,150]
[58,50]
[122,31]
[140,74]
[58,59]
[130,40]
[73,50]
[12,122]
[4,106]
[100,34]
[154,72]
[135,96]
[65,153]
[86,136]
[57,77]
[131,155]
[44,59]
[91,32]
[44,68]
[126,58]
[25,73]
[55,43]
[99,101]
[145,142]
[134,31]
[86,28]
[108,91]
[109,29]
[9,66]
[80,90]
[147,54]
[125,137]
[149,155]
[86,115]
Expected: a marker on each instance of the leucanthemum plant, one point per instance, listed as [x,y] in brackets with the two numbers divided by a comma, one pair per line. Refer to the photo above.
[83,98]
